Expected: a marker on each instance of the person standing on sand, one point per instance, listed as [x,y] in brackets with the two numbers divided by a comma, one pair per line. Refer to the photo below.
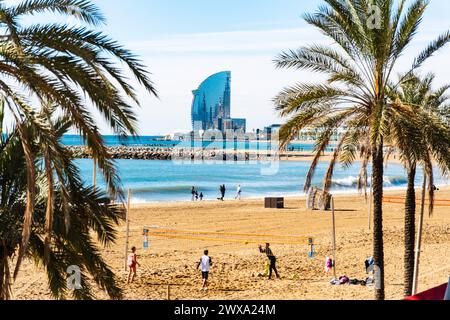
[132,265]
[193,193]
[201,196]
[272,259]
[222,192]
[238,193]
[205,263]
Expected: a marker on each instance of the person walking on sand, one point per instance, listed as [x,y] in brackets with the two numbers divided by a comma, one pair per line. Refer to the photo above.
[272,259]
[238,193]
[201,196]
[205,263]
[132,265]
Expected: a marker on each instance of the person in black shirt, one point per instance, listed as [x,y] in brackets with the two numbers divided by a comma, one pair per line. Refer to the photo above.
[193,193]
[272,259]
[222,192]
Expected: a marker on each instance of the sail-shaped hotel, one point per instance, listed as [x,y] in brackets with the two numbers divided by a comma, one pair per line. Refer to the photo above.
[211,106]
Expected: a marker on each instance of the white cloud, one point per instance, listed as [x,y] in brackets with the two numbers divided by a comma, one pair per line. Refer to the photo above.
[227,42]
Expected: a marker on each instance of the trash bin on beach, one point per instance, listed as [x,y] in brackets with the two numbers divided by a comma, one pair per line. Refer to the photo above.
[274,203]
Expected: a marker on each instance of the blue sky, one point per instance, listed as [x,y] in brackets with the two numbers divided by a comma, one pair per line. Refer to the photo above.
[155,18]
[183,42]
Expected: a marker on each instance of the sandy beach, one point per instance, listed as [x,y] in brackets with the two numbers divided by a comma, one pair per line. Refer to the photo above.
[326,157]
[237,262]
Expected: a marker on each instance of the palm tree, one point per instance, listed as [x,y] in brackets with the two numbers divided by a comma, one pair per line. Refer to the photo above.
[69,67]
[90,212]
[359,71]
[423,142]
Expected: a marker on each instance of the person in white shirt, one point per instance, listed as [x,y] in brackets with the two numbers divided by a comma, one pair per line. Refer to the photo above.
[205,263]
[238,192]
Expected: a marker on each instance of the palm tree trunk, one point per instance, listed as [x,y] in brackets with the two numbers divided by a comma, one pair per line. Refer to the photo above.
[49,209]
[5,277]
[378,246]
[30,198]
[410,229]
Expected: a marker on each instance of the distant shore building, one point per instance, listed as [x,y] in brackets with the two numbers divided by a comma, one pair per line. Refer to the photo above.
[306,134]
[272,130]
[312,134]
[240,124]
[211,106]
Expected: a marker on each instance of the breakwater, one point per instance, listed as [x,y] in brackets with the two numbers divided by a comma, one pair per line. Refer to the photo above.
[152,153]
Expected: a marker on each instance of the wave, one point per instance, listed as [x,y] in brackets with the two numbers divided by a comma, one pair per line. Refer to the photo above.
[348,182]
[157,189]
[395,181]
[170,189]
[352,181]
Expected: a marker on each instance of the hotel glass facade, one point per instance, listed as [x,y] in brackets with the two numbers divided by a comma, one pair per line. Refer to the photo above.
[212,102]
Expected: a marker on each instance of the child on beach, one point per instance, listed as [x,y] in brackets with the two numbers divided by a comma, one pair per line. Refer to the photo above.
[201,196]
[205,263]
[328,264]
[132,265]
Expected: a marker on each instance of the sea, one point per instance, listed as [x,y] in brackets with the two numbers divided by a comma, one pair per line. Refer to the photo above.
[164,181]
[160,142]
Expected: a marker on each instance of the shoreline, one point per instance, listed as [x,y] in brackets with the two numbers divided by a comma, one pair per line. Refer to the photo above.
[300,196]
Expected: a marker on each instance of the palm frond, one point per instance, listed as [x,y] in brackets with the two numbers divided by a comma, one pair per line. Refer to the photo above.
[83,10]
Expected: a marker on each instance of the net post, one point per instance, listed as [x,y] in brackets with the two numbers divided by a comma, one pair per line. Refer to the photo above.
[127,229]
[333,235]
[370,209]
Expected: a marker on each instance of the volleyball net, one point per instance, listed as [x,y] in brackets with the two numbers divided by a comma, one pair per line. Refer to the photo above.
[224,237]
[401,200]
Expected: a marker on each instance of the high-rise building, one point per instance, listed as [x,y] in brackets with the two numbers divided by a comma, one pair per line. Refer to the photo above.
[211,107]
[212,101]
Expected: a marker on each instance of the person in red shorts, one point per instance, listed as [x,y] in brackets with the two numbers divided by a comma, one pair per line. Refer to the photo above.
[132,265]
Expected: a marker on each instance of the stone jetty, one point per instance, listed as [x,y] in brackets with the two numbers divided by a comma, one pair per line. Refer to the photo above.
[152,153]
